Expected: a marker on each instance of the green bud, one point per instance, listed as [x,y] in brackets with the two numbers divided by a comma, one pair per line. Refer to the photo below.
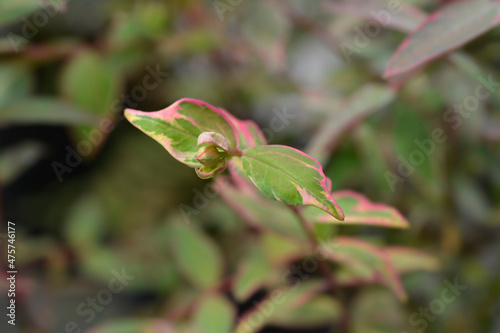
[209,172]
[210,156]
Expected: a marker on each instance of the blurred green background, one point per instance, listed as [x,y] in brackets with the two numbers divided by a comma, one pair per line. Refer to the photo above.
[91,196]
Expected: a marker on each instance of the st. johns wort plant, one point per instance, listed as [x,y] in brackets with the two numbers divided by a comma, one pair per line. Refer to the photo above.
[218,145]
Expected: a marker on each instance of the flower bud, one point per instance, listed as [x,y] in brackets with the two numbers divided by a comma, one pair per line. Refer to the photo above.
[209,172]
[213,138]
[210,156]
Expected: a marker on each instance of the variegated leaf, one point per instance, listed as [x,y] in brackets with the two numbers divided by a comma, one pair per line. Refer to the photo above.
[367,260]
[406,259]
[444,30]
[248,131]
[296,306]
[256,210]
[359,210]
[406,17]
[290,176]
[178,126]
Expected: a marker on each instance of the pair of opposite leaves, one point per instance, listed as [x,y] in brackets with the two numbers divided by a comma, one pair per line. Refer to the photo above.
[205,137]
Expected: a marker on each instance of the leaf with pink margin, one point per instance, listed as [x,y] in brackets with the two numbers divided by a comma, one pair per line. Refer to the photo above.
[406,259]
[256,210]
[248,131]
[397,15]
[178,126]
[302,304]
[290,176]
[373,261]
[444,30]
[359,210]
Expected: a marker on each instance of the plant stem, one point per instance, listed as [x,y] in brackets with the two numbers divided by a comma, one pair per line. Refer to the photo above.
[231,153]
[322,265]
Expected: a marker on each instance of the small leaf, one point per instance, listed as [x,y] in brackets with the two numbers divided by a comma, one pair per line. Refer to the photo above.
[178,127]
[214,314]
[214,138]
[196,255]
[444,30]
[290,176]
[207,172]
[359,210]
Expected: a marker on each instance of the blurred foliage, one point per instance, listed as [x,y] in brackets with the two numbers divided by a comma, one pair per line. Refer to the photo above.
[92,197]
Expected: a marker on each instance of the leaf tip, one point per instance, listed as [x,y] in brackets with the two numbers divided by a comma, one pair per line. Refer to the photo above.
[130,114]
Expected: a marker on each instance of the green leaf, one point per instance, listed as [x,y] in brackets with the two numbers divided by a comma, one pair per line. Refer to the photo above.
[317,311]
[360,255]
[301,305]
[290,176]
[407,260]
[134,326]
[15,82]
[369,141]
[407,17]
[256,211]
[90,84]
[85,224]
[16,159]
[361,104]
[375,310]
[418,156]
[265,28]
[252,274]
[280,249]
[214,314]
[177,127]
[196,255]
[444,30]
[359,210]
[14,10]
[44,110]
